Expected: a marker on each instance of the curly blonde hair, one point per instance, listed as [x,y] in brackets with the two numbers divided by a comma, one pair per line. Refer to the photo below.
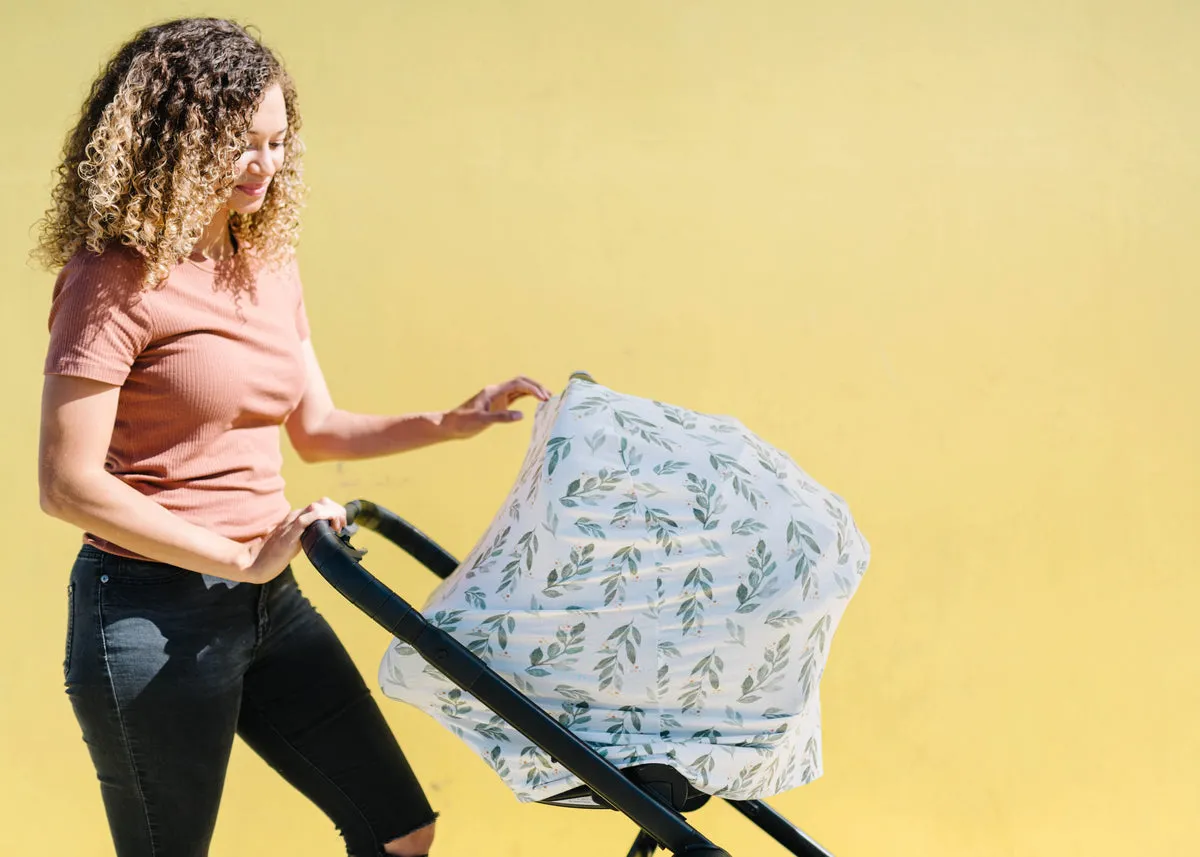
[154,155]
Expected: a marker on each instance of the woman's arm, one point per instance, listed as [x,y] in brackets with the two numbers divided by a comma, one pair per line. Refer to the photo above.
[77,423]
[321,432]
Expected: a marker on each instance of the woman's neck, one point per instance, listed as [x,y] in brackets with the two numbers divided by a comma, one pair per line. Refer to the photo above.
[216,242]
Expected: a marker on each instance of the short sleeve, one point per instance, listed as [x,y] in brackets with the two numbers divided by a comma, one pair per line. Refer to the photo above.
[302,328]
[98,320]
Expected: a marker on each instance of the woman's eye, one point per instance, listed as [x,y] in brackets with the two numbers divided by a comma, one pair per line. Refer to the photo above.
[248,147]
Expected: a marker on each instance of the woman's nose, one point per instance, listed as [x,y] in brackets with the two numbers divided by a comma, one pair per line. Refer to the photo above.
[263,164]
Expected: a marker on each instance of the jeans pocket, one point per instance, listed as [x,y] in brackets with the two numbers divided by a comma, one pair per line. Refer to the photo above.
[70,628]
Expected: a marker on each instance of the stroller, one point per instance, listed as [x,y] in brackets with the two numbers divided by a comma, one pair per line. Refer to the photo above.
[654,795]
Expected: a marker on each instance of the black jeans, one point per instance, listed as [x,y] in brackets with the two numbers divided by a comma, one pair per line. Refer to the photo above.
[165,665]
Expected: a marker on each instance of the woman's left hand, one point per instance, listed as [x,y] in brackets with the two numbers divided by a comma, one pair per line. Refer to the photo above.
[492,404]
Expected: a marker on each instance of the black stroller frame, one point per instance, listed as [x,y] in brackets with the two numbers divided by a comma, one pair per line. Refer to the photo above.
[653,799]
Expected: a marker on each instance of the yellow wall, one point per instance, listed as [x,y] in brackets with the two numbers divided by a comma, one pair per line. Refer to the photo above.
[942,252]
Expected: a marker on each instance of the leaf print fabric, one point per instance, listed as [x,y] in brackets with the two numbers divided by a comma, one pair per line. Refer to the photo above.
[665,584]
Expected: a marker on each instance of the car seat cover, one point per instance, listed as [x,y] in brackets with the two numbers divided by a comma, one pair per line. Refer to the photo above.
[663,582]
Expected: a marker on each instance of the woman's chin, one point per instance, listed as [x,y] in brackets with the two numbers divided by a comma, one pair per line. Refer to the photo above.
[248,207]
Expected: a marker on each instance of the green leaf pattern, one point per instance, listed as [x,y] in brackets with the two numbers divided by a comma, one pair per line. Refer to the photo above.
[665,584]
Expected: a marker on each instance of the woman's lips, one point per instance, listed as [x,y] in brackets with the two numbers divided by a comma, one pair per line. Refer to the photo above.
[253,189]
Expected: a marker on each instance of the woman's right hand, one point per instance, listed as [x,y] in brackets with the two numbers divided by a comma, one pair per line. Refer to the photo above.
[266,560]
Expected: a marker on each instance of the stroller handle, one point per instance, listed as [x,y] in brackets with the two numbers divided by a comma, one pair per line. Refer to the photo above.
[339,563]
[402,534]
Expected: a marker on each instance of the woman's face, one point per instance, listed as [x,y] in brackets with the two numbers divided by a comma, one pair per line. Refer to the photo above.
[264,153]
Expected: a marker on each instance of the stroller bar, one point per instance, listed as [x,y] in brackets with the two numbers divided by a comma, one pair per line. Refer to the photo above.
[403,535]
[779,828]
[340,565]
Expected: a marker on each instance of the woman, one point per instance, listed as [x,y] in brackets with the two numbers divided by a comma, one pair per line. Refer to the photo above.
[178,346]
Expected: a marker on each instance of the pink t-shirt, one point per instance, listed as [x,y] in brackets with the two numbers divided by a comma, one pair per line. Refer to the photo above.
[207,376]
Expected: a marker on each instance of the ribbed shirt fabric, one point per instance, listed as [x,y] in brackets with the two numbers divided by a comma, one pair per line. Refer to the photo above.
[207,374]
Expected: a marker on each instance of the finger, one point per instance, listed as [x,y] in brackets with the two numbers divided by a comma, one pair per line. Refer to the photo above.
[333,512]
[319,511]
[309,518]
[519,388]
[325,506]
[542,391]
